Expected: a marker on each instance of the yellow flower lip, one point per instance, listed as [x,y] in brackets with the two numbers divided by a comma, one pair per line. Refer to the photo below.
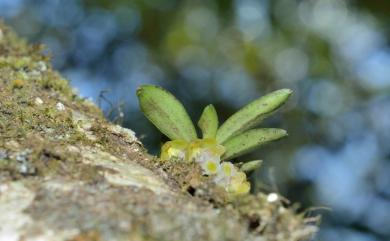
[227,168]
[211,167]
[207,152]
[239,187]
[174,149]
[205,145]
[233,180]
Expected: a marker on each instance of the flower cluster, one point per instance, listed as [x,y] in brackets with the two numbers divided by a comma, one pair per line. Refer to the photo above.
[237,136]
[207,153]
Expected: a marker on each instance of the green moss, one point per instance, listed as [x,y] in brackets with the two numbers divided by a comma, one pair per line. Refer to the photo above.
[54,82]
[5,164]
[39,140]
[15,62]
[26,74]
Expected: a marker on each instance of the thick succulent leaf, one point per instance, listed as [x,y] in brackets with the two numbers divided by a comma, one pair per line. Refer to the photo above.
[251,166]
[249,141]
[166,113]
[208,122]
[252,114]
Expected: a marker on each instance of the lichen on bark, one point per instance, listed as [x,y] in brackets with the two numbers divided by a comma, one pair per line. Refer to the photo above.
[66,173]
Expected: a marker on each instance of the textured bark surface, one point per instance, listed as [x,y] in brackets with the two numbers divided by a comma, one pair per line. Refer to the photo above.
[68,174]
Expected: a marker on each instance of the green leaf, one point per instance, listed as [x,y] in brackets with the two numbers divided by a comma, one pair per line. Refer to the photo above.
[166,113]
[249,141]
[251,166]
[252,114]
[208,122]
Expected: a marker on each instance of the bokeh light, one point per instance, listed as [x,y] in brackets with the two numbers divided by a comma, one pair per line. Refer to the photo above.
[334,54]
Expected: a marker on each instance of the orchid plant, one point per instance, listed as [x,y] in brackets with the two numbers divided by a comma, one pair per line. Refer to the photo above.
[219,145]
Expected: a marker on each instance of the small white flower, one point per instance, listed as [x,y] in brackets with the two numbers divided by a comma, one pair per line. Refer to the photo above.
[38,101]
[204,156]
[210,166]
[208,160]
[233,180]
[60,106]
[225,173]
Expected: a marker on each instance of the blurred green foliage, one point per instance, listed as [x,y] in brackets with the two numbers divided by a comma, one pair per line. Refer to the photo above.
[334,54]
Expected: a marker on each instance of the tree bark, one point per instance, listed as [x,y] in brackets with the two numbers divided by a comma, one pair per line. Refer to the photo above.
[66,173]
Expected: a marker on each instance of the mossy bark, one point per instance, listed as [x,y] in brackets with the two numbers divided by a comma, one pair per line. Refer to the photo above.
[66,173]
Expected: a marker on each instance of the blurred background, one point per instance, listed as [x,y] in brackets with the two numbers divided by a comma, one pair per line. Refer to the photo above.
[334,54]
